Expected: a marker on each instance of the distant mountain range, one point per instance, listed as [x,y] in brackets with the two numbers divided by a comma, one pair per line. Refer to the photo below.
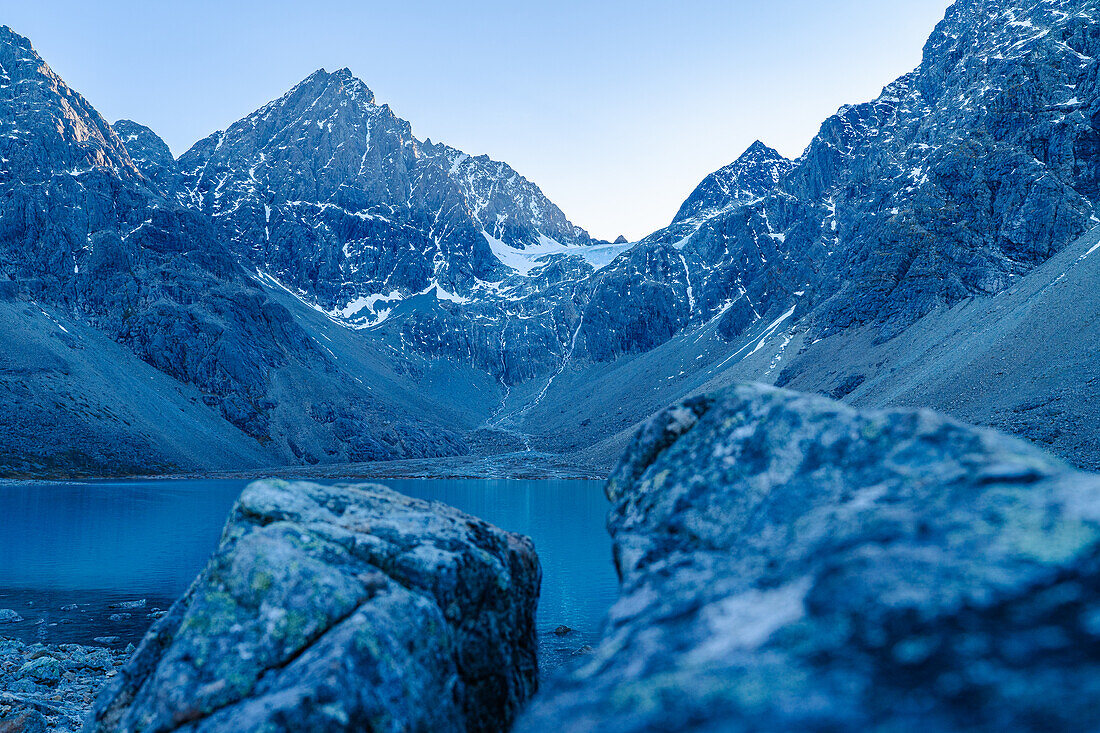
[317,285]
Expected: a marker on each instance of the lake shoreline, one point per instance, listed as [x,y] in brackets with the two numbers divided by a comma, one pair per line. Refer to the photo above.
[82,561]
[521,466]
[53,686]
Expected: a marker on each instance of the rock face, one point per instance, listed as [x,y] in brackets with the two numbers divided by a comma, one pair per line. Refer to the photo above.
[340,609]
[755,174]
[789,563]
[963,175]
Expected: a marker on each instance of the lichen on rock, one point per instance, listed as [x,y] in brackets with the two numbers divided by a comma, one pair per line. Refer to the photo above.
[340,608]
[790,563]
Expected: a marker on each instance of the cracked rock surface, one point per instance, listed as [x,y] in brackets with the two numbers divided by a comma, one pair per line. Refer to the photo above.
[790,563]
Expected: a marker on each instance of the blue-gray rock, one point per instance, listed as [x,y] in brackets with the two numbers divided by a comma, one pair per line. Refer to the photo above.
[50,687]
[963,175]
[23,721]
[329,191]
[753,175]
[8,616]
[340,609]
[43,670]
[790,563]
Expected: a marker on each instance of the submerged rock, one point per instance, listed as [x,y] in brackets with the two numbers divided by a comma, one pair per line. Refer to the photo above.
[8,616]
[789,563]
[340,609]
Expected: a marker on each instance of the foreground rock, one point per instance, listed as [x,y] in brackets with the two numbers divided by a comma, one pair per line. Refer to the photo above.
[788,563]
[50,687]
[340,609]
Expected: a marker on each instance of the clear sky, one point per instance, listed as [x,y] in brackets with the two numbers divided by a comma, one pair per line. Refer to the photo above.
[616,108]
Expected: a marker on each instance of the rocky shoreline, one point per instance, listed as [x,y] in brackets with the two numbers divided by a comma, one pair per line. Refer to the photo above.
[52,687]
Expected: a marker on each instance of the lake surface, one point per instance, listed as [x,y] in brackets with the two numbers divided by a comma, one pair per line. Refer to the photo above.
[101,559]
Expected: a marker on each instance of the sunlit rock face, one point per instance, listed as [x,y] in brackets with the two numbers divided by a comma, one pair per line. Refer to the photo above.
[340,609]
[789,563]
[83,229]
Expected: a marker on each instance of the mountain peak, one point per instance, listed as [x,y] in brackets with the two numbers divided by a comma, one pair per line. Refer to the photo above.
[759,150]
[10,37]
[47,125]
[755,173]
[342,82]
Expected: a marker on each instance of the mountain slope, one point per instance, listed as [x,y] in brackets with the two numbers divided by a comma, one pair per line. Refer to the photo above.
[83,231]
[335,289]
[963,175]
[961,180]
[1024,360]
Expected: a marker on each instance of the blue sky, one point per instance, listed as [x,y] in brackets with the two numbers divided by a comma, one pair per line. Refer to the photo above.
[617,109]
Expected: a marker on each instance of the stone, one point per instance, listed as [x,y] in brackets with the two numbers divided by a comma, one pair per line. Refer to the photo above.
[61,704]
[43,670]
[8,616]
[23,721]
[563,630]
[340,608]
[790,563]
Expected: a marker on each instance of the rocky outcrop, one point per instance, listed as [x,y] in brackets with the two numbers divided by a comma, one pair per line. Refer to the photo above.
[340,609]
[789,563]
[153,158]
[753,175]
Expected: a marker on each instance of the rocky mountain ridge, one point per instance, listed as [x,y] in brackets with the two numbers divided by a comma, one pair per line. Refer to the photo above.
[88,240]
[459,309]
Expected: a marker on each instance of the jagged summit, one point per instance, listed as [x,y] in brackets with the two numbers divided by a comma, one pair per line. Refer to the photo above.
[333,195]
[44,124]
[339,82]
[760,150]
[755,173]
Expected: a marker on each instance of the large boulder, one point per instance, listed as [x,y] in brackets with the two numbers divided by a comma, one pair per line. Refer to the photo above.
[789,563]
[340,609]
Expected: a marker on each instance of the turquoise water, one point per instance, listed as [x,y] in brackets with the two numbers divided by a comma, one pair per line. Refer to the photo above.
[121,552]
